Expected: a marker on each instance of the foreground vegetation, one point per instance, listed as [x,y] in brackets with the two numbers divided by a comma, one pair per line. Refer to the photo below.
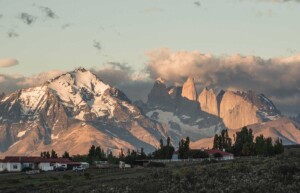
[279,173]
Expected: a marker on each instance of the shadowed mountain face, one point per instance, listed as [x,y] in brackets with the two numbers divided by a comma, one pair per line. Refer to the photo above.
[71,112]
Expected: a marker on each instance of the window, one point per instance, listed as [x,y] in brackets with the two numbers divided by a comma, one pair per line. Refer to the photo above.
[15,166]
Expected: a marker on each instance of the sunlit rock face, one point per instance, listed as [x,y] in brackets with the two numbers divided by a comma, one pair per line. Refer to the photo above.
[238,109]
[189,90]
[208,101]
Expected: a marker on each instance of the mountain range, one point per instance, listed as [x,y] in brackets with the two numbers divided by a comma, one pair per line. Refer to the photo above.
[77,109]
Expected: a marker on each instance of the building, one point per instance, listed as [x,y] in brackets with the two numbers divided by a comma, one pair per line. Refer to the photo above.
[18,163]
[222,155]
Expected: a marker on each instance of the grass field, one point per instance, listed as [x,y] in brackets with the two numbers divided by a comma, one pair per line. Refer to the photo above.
[275,174]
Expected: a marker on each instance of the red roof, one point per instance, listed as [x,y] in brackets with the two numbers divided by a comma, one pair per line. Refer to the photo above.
[214,151]
[24,159]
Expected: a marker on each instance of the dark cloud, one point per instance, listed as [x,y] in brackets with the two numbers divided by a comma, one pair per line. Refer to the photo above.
[97,45]
[12,34]
[66,25]
[278,78]
[1,16]
[48,12]
[197,3]
[27,18]
[124,78]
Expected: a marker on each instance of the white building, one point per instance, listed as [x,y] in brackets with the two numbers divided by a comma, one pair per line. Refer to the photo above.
[18,163]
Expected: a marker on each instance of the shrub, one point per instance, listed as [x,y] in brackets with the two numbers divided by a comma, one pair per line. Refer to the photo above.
[156,164]
[26,169]
[87,175]
[67,177]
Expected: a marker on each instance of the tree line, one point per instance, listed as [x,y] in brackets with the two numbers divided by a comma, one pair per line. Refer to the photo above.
[246,145]
[243,144]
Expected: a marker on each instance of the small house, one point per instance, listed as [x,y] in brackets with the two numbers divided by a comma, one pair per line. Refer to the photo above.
[222,155]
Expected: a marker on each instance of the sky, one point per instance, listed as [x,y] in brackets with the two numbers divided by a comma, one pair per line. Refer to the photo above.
[226,44]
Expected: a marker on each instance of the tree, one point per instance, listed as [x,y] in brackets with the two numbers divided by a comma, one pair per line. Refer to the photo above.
[246,150]
[268,147]
[223,141]
[278,147]
[161,143]
[142,154]
[66,155]
[92,152]
[216,142]
[198,154]
[184,148]
[245,136]
[168,141]
[165,151]
[121,154]
[259,145]
[53,154]
[99,154]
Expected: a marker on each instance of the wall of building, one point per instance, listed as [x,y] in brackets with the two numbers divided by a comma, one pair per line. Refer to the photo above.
[14,167]
[45,166]
[3,166]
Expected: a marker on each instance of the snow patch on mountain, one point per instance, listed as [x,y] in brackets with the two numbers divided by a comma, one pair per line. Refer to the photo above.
[32,99]
[175,125]
[21,133]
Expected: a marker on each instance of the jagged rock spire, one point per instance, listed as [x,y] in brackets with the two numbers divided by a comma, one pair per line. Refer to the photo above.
[189,89]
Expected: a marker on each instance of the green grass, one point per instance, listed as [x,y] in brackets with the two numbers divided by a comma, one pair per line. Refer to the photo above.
[257,174]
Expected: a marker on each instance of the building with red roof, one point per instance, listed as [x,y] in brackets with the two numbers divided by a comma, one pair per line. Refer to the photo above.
[217,153]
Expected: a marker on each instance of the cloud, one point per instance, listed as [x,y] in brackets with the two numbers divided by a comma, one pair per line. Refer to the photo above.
[48,12]
[11,83]
[119,75]
[27,18]
[66,25]
[12,34]
[268,13]
[278,78]
[1,16]
[38,79]
[97,45]
[197,3]
[8,62]
[135,85]
[279,1]
[153,10]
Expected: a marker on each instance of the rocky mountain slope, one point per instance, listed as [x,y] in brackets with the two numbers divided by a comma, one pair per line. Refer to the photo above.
[208,101]
[238,109]
[177,108]
[70,113]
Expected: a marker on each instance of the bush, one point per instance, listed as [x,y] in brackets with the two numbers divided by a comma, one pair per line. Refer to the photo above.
[26,169]
[156,164]
[218,155]
[67,177]
[87,175]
